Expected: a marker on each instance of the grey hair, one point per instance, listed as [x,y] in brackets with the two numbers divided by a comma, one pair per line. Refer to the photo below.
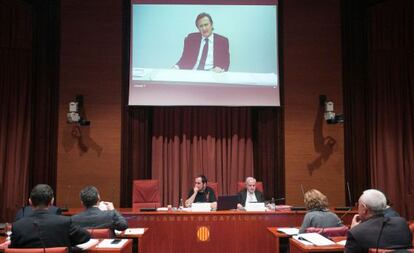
[374,200]
[250,179]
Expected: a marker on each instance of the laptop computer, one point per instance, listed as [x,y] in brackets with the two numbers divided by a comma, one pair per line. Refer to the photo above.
[228,202]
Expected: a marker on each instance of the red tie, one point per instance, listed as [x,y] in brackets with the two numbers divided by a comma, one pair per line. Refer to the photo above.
[203,56]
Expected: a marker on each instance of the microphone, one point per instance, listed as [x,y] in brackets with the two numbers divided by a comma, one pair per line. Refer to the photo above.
[380,233]
[303,191]
[36,225]
[349,200]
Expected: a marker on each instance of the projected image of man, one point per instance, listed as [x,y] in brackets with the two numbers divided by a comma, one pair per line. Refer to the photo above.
[205,50]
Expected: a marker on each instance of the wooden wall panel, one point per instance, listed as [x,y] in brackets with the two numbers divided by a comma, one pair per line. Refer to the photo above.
[312,66]
[90,64]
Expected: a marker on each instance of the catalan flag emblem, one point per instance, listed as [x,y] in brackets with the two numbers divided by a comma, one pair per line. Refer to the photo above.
[203,234]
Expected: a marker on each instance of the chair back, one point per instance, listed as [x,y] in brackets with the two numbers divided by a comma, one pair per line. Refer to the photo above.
[145,194]
[242,185]
[214,186]
[329,232]
[101,233]
[37,250]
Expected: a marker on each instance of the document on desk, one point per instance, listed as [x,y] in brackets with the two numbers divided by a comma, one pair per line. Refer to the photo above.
[315,239]
[108,243]
[88,244]
[289,231]
[134,231]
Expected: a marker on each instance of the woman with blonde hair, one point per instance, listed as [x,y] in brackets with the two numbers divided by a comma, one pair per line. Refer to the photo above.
[318,214]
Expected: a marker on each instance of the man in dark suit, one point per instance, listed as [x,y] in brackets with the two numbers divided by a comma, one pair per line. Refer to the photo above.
[28,211]
[98,214]
[201,193]
[249,194]
[370,229]
[205,50]
[42,229]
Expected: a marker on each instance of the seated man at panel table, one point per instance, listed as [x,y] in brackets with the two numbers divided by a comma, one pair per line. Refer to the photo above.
[201,193]
[370,229]
[98,214]
[249,194]
[42,229]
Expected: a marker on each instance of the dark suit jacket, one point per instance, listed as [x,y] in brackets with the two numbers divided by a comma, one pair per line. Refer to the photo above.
[93,217]
[243,195]
[395,234]
[43,229]
[28,211]
[221,57]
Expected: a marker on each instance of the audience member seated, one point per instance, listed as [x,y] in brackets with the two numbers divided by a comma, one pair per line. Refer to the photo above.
[98,214]
[201,193]
[28,211]
[249,194]
[45,230]
[370,229]
[318,214]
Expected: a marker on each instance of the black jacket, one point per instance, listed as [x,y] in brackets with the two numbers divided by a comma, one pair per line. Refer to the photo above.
[93,217]
[379,232]
[243,195]
[43,229]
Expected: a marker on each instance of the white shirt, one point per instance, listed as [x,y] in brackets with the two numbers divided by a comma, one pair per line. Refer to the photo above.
[210,53]
[250,197]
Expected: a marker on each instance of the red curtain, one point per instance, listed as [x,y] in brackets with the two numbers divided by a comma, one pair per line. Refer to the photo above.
[175,144]
[189,141]
[391,101]
[28,100]
[15,105]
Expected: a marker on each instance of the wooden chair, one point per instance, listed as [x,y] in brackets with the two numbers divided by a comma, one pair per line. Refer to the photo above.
[101,233]
[145,194]
[214,186]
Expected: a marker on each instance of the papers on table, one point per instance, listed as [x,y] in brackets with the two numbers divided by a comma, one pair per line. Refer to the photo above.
[343,242]
[255,207]
[88,244]
[134,231]
[313,239]
[107,243]
[289,231]
[162,209]
[201,207]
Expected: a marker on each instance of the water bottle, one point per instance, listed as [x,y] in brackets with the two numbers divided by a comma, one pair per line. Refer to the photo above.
[181,206]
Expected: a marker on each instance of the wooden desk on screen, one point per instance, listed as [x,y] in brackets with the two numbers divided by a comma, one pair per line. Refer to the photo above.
[297,247]
[220,231]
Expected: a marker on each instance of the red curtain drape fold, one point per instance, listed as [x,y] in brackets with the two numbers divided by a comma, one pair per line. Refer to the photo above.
[391,101]
[175,144]
[188,141]
[15,105]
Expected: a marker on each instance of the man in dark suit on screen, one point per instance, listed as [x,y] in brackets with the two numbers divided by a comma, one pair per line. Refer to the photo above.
[42,229]
[98,214]
[205,50]
[370,229]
